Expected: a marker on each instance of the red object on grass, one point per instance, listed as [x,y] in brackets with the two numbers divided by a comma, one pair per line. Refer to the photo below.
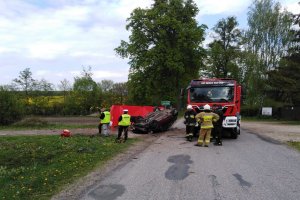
[65,133]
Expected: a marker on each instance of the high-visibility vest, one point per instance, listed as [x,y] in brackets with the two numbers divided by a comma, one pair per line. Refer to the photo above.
[106,118]
[125,120]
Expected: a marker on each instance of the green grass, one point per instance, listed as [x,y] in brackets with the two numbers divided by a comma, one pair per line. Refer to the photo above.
[295,145]
[36,167]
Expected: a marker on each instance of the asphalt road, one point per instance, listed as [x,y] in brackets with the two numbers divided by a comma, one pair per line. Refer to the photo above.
[250,167]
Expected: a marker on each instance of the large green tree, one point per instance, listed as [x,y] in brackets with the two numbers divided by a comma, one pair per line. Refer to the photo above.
[163,49]
[224,51]
[267,40]
[284,82]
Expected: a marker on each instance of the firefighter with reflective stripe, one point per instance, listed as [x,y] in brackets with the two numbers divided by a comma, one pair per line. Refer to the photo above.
[190,122]
[124,123]
[206,120]
[104,122]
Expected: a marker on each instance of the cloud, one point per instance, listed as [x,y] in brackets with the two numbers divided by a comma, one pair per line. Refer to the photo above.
[99,74]
[213,7]
[292,7]
[47,50]
[55,38]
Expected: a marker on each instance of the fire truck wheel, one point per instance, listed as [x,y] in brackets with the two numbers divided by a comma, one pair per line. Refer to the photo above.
[234,134]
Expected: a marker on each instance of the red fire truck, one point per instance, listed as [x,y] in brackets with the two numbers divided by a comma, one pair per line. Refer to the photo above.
[220,94]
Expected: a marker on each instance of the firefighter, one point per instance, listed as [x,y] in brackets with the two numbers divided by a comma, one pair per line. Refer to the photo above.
[190,122]
[206,120]
[104,122]
[217,130]
[124,123]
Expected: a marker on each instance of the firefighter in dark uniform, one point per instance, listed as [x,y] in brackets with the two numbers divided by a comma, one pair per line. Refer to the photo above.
[190,122]
[124,123]
[217,130]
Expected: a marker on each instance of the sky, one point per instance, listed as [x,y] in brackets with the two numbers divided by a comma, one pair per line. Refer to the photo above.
[57,39]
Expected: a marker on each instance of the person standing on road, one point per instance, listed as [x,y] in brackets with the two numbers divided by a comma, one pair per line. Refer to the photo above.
[124,123]
[190,122]
[206,120]
[104,122]
[100,116]
[218,129]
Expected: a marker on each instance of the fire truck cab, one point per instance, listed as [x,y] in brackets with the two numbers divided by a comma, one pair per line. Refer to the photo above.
[221,94]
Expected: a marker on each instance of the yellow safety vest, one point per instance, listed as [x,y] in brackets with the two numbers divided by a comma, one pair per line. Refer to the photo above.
[125,120]
[106,118]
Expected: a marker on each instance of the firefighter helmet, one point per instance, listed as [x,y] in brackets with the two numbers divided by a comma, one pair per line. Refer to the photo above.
[206,107]
[189,107]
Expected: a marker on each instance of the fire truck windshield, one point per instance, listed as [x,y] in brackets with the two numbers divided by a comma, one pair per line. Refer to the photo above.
[210,94]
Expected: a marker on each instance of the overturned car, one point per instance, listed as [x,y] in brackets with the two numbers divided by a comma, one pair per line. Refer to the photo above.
[157,121]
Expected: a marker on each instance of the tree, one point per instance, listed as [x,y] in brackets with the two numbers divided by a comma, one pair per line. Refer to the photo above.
[120,90]
[163,49]
[284,82]
[225,49]
[11,108]
[268,35]
[86,94]
[25,81]
[106,85]
[44,86]
[65,87]
[266,41]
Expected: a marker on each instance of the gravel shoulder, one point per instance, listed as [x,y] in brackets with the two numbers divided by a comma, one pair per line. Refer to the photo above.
[273,130]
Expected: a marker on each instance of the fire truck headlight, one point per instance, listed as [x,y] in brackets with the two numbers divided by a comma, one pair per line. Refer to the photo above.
[230,122]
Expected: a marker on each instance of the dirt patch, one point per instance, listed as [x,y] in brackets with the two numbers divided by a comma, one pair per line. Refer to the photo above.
[273,130]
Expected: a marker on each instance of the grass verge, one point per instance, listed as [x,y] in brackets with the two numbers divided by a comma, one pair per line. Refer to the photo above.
[295,145]
[36,167]
[46,126]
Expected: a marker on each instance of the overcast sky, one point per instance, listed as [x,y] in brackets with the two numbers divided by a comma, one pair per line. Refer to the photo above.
[57,38]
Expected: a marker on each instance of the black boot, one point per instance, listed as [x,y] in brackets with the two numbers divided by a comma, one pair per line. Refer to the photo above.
[218,143]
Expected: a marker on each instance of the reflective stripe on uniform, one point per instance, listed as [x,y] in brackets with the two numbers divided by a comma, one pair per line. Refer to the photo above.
[207,119]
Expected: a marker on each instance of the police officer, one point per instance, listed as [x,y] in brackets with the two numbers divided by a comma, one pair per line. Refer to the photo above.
[190,122]
[124,123]
[104,122]
[206,119]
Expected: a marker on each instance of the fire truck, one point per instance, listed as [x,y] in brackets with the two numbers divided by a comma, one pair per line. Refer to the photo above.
[222,95]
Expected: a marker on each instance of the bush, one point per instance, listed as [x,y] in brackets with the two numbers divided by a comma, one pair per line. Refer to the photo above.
[248,111]
[31,122]
[11,108]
